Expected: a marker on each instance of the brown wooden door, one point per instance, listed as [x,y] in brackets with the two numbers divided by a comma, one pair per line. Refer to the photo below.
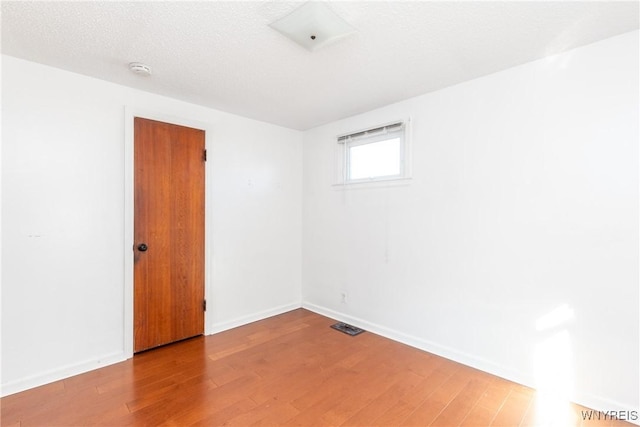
[169,222]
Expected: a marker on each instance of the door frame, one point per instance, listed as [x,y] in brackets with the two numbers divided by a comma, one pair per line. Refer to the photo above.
[129,114]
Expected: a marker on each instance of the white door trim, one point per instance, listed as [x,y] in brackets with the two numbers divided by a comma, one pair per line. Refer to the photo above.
[129,114]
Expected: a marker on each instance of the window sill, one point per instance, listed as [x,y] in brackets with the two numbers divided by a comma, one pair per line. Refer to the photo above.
[374,183]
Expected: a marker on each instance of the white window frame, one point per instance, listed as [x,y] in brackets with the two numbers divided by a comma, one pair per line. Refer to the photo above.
[372,135]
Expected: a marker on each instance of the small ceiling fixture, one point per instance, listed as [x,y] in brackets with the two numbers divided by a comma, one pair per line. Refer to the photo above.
[313,25]
[140,68]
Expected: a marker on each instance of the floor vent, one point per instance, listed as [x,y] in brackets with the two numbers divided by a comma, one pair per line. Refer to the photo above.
[347,329]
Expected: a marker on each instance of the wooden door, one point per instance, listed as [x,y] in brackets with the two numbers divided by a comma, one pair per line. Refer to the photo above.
[168,233]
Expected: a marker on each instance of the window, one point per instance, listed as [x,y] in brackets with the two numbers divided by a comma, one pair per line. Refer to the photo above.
[377,154]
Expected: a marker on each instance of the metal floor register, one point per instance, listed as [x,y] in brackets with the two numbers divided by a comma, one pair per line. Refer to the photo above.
[347,329]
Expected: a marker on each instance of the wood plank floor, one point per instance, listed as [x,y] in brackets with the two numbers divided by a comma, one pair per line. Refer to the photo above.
[290,369]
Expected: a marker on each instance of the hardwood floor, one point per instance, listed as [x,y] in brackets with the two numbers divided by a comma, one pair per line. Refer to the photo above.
[290,369]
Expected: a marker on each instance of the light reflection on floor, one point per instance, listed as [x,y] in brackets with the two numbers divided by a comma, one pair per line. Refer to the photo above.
[553,367]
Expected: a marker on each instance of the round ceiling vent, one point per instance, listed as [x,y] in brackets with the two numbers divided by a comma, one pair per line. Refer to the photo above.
[140,68]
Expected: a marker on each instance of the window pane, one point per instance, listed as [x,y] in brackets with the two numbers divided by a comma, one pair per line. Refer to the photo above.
[377,159]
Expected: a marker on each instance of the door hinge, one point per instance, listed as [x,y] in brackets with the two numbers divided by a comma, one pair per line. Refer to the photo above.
[204,155]
[204,305]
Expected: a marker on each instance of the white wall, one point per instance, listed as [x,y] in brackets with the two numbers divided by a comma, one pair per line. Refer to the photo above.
[63,219]
[524,199]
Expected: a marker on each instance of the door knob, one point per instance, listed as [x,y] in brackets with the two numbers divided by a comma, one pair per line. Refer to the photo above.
[142,247]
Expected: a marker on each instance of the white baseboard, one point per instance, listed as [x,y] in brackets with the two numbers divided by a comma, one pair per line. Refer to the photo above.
[598,403]
[422,344]
[60,373]
[595,402]
[250,318]
[109,359]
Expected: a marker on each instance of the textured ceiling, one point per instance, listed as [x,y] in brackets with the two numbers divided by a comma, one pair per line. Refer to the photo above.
[225,56]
